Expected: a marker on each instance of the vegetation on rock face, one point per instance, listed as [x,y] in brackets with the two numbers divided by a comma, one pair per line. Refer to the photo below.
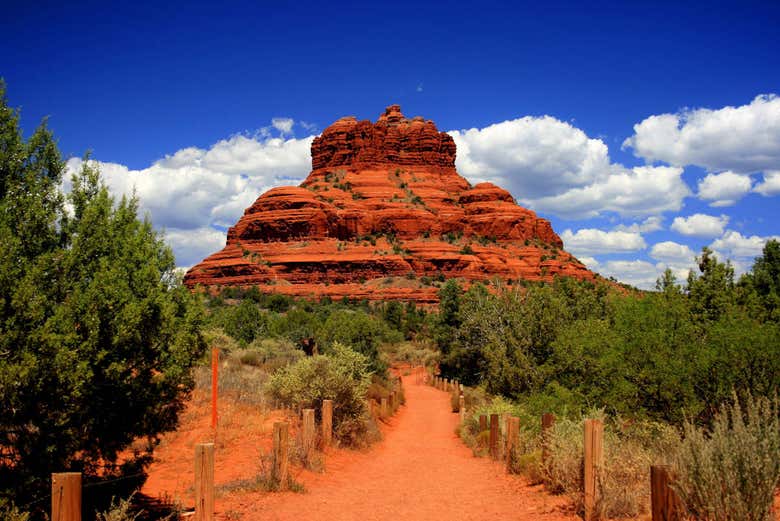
[97,337]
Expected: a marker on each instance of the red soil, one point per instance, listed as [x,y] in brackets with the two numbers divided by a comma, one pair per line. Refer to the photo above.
[420,470]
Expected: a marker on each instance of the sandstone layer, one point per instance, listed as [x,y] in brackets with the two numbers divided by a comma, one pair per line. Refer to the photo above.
[384,215]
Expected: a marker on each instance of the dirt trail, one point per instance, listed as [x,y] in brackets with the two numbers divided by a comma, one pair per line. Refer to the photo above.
[421,470]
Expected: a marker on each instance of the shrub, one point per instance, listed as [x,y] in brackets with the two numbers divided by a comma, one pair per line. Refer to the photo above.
[731,471]
[342,376]
[10,512]
[271,354]
[120,510]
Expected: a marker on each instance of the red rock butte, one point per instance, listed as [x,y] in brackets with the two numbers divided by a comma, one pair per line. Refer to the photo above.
[384,215]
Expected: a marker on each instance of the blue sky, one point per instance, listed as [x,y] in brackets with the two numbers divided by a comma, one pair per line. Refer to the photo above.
[644,131]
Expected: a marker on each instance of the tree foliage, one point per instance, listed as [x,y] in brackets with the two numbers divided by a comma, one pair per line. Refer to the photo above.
[668,354]
[96,336]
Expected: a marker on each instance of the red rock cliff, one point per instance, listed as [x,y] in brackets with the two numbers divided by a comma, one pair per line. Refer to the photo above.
[384,215]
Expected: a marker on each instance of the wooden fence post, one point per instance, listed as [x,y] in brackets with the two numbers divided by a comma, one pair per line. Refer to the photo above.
[327,422]
[307,432]
[665,504]
[214,385]
[383,408]
[512,439]
[594,459]
[462,408]
[281,454]
[494,436]
[66,496]
[204,482]
[504,425]
[483,423]
[548,420]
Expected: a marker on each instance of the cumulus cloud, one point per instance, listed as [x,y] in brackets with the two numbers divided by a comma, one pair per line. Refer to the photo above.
[700,225]
[192,246]
[672,252]
[733,245]
[639,273]
[592,241]
[551,166]
[741,139]
[539,156]
[283,125]
[638,191]
[770,185]
[651,224]
[195,192]
[724,189]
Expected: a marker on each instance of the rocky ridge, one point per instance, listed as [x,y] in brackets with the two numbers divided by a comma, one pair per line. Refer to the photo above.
[384,215]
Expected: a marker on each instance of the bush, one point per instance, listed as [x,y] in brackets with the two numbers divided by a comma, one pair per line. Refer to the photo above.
[342,376]
[10,512]
[730,472]
[271,354]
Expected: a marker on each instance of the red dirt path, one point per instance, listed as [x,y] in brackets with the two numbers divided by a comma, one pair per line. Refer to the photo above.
[421,470]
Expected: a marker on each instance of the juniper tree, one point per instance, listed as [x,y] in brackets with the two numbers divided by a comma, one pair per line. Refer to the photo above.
[96,337]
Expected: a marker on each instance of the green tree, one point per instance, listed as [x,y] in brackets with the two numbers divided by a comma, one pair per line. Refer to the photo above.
[761,288]
[357,330]
[712,291]
[96,336]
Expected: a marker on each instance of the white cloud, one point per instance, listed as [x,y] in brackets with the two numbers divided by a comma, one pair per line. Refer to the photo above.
[643,190]
[591,241]
[734,245]
[651,224]
[590,262]
[194,191]
[724,189]
[639,273]
[700,225]
[770,185]
[742,139]
[283,125]
[192,246]
[672,252]
[537,156]
[551,166]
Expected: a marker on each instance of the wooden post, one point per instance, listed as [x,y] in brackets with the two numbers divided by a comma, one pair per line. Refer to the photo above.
[214,384]
[307,432]
[383,408]
[494,436]
[281,454]
[594,459]
[462,408]
[66,496]
[665,505]
[502,435]
[327,422]
[548,420]
[512,439]
[483,424]
[204,482]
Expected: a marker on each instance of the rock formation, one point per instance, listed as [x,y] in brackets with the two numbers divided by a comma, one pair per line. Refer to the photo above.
[384,215]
